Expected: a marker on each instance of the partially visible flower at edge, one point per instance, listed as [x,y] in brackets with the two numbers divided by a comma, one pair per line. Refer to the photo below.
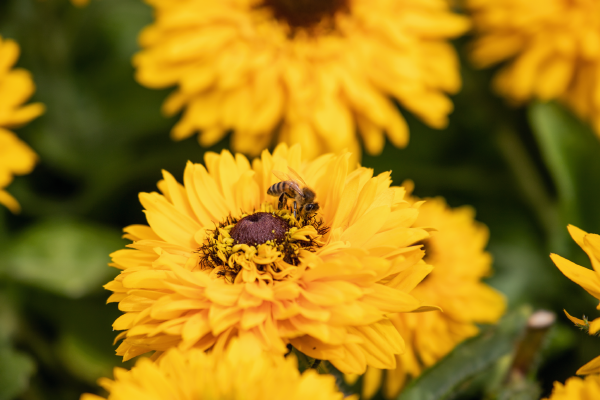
[16,86]
[588,280]
[456,250]
[243,372]
[80,3]
[576,388]
[551,49]
[313,74]
[219,260]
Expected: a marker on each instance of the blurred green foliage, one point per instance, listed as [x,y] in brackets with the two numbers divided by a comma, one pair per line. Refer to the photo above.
[528,172]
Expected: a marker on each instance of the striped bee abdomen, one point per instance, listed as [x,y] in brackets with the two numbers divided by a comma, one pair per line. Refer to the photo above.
[277,189]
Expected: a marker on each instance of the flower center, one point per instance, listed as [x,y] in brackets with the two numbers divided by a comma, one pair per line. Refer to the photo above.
[306,14]
[267,244]
[259,228]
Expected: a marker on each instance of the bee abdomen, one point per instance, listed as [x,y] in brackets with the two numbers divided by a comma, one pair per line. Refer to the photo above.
[276,189]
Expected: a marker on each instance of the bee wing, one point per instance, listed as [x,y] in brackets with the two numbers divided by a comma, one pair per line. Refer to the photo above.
[296,177]
[293,183]
[282,176]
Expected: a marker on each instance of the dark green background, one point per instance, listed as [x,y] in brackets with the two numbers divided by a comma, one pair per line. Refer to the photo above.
[528,171]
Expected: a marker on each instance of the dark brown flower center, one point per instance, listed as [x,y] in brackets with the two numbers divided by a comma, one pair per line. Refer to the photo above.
[305,13]
[259,228]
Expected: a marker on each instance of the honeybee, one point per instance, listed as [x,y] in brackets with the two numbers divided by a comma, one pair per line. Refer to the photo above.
[293,187]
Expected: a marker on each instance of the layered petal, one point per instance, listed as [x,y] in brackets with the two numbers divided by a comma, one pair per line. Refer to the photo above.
[550,50]
[455,250]
[314,76]
[214,264]
[243,372]
[16,87]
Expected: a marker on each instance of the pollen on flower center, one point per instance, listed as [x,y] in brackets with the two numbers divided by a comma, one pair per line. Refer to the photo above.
[266,244]
[305,13]
[259,228]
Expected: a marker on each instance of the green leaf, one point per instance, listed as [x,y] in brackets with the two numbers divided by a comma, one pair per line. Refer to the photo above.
[65,257]
[8,318]
[571,152]
[467,360]
[304,362]
[15,370]
[83,359]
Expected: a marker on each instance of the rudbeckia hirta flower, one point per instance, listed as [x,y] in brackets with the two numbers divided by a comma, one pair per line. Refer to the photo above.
[456,252]
[576,388]
[220,260]
[16,86]
[310,72]
[244,372]
[551,47]
[588,280]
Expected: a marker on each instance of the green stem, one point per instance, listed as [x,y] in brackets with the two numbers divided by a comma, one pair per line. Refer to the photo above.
[531,183]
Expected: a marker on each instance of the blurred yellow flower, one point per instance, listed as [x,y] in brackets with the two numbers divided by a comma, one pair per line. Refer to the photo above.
[16,86]
[588,280]
[244,372]
[308,72]
[80,3]
[552,48]
[219,261]
[456,252]
[576,388]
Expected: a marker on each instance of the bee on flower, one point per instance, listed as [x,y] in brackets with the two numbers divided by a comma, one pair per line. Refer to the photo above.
[221,258]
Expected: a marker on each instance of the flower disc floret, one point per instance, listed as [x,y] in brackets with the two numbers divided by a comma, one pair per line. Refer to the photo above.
[262,245]
[327,287]
[243,372]
[312,72]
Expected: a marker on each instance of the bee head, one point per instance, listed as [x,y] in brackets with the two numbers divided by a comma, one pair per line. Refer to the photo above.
[311,208]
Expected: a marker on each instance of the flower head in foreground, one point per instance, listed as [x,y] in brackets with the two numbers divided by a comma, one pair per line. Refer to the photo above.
[456,252]
[576,388]
[587,279]
[219,260]
[552,48]
[16,86]
[309,72]
[244,372]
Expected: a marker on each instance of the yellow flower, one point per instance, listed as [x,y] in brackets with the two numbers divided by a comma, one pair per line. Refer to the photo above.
[456,252]
[552,50]
[309,72]
[587,279]
[577,389]
[16,86]
[244,372]
[219,260]
[80,3]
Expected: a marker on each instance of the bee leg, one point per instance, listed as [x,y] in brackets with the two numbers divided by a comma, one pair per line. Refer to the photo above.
[282,201]
[295,208]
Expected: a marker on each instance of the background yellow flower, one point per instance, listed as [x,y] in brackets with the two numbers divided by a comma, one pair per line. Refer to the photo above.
[16,86]
[242,372]
[576,388]
[190,281]
[311,72]
[456,250]
[587,279]
[552,48]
